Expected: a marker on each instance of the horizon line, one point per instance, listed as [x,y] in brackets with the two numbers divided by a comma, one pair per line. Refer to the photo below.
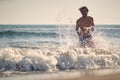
[54,24]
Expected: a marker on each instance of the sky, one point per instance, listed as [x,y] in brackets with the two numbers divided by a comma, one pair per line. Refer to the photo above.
[57,11]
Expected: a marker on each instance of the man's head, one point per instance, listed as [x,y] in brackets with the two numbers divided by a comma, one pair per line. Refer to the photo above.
[84,11]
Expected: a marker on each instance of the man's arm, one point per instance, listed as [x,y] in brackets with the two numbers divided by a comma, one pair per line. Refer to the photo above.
[93,28]
[77,27]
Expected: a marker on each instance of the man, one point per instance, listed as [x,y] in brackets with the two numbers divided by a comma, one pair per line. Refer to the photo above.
[84,27]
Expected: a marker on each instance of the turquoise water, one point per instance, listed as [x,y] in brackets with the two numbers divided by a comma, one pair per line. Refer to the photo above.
[56,47]
[40,34]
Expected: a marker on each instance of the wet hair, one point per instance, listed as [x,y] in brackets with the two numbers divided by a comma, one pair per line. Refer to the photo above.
[84,7]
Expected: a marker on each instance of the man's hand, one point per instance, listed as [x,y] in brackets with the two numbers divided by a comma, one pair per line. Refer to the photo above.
[92,29]
[79,33]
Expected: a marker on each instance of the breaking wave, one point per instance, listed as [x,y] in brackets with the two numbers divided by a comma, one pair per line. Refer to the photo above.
[50,58]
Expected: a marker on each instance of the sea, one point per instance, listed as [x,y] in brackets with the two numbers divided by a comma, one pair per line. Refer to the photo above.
[50,48]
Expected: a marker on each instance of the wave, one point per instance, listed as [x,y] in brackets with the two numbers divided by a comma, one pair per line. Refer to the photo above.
[11,34]
[53,59]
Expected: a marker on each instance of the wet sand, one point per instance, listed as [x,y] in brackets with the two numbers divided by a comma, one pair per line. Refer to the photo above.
[103,74]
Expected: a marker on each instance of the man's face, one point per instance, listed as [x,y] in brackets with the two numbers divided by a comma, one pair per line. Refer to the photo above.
[84,12]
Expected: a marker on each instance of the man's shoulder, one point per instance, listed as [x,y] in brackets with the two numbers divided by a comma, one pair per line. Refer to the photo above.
[79,19]
[90,17]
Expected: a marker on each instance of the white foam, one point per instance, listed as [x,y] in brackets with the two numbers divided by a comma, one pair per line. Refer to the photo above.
[51,59]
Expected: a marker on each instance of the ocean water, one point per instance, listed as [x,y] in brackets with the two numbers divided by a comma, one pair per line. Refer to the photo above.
[26,48]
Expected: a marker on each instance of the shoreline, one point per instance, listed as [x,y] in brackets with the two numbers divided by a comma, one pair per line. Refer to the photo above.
[100,74]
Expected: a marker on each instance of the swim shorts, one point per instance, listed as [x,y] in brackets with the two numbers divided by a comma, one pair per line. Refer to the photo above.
[85,39]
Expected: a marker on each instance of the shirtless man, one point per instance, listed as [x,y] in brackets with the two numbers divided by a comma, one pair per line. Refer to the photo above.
[84,27]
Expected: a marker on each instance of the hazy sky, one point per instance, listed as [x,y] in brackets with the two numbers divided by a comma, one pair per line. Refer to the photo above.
[57,11]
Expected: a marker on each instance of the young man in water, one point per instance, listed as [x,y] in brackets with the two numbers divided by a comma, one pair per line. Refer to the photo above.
[84,27]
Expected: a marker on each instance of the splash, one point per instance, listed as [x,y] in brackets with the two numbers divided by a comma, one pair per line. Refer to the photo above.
[69,38]
[101,41]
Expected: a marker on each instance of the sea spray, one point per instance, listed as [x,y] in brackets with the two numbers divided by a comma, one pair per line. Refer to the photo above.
[101,41]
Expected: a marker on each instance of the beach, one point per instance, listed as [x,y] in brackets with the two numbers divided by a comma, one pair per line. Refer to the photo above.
[103,74]
[59,40]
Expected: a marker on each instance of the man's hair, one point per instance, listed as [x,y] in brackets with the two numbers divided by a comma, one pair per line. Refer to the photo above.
[84,7]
